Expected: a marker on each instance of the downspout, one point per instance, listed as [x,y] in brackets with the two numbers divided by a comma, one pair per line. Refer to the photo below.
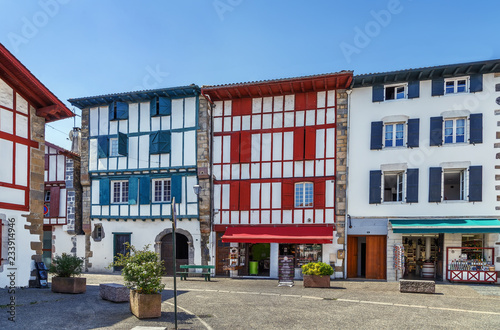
[347,222]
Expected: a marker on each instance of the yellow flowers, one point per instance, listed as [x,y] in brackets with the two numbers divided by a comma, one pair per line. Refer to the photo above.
[317,268]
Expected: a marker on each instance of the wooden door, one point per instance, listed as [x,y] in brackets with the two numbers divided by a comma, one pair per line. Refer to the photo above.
[181,251]
[352,256]
[119,246]
[221,256]
[376,261]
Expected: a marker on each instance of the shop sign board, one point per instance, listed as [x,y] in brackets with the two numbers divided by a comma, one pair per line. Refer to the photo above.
[286,269]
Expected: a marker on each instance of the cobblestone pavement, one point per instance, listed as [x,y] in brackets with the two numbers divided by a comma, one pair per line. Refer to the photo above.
[225,303]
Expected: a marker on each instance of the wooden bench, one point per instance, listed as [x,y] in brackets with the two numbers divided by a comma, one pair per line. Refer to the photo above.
[205,271]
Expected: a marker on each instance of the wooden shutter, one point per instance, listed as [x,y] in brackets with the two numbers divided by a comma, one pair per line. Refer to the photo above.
[244,196]
[112,111]
[375,187]
[234,198]
[122,144]
[435,184]
[436,135]
[54,201]
[412,185]
[133,187]
[413,132]
[235,147]
[378,93]
[236,107]
[475,184]
[246,147]
[102,146]
[298,143]
[310,148]
[476,128]
[153,106]
[437,87]
[476,83]
[164,106]
[245,106]
[319,194]
[413,89]
[46,161]
[154,142]
[121,110]
[144,190]
[176,187]
[104,191]
[376,135]
[306,101]
[164,142]
[287,192]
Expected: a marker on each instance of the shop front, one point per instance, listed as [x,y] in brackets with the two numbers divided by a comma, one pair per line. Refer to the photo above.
[457,250]
[255,250]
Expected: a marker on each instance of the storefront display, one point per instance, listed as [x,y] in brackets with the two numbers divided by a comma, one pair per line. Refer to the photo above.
[471,264]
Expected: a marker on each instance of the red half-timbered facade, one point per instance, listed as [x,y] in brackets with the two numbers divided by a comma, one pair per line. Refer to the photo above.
[274,168]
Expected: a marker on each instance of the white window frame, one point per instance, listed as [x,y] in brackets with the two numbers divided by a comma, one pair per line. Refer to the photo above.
[395,87]
[400,186]
[119,189]
[455,85]
[301,195]
[463,183]
[393,125]
[454,128]
[113,147]
[165,190]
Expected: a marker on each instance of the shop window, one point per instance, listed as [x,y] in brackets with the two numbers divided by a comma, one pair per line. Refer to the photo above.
[453,185]
[393,186]
[120,192]
[454,130]
[161,190]
[472,240]
[304,194]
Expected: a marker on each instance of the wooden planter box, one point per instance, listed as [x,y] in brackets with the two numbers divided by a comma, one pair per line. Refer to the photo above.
[69,284]
[145,306]
[316,281]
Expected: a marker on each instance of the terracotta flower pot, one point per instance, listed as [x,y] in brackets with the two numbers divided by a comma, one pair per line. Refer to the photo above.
[316,281]
[69,284]
[145,306]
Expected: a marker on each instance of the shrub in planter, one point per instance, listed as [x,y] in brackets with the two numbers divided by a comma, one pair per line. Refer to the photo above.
[317,275]
[66,267]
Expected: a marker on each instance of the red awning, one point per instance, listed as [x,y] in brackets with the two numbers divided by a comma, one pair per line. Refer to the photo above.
[279,234]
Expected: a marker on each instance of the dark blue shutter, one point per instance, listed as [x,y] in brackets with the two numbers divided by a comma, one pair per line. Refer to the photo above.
[153,107]
[475,183]
[122,144]
[436,136]
[104,191]
[144,189]
[121,110]
[165,106]
[376,135]
[164,140]
[476,128]
[375,187]
[435,184]
[111,111]
[476,83]
[102,146]
[438,86]
[412,185]
[154,143]
[413,89]
[176,187]
[133,187]
[413,132]
[378,93]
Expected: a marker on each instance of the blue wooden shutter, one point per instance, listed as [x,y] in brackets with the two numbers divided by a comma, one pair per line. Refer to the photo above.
[144,190]
[102,146]
[121,110]
[376,135]
[413,132]
[176,187]
[154,143]
[133,187]
[412,185]
[476,128]
[153,107]
[165,106]
[122,144]
[476,83]
[438,86]
[104,191]
[475,183]
[435,184]
[413,89]
[375,187]
[111,111]
[164,142]
[436,136]
[378,93]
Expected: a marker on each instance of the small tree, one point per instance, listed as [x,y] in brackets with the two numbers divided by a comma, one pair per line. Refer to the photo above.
[142,269]
[66,265]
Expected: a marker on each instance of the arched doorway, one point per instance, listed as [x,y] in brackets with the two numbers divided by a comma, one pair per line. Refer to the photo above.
[181,251]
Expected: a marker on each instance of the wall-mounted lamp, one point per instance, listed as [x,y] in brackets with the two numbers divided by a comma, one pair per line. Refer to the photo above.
[197,190]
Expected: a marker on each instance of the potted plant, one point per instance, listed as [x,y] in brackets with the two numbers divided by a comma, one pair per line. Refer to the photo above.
[66,267]
[317,275]
[142,272]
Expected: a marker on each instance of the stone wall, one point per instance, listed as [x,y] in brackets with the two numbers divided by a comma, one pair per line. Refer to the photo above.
[341,165]
[85,184]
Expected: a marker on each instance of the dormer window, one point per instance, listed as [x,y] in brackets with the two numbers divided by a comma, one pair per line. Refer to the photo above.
[455,86]
[395,92]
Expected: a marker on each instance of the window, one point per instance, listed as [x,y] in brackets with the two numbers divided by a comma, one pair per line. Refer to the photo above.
[395,92]
[454,86]
[394,135]
[393,186]
[118,110]
[120,191]
[454,130]
[304,194]
[161,190]
[113,147]
[454,185]
[47,196]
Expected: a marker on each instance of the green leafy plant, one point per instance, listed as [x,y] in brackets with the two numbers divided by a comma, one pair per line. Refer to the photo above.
[142,269]
[66,265]
[317,268]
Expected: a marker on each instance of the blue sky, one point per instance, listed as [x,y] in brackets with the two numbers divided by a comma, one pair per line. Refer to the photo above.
[86,48]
